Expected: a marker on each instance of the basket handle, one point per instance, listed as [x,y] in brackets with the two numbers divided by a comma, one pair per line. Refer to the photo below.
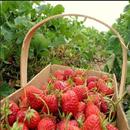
[29,35]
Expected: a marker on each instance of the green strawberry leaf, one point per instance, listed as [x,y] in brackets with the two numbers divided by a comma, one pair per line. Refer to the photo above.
[5,90]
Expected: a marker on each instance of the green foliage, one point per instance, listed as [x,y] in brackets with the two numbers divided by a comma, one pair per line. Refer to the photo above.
[61,41]
[5,90]
[122,25]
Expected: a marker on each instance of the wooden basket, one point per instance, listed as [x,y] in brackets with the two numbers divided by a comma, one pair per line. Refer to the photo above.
[42,77]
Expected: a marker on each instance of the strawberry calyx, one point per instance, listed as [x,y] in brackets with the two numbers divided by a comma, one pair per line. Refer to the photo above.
[16,126]
[29,114]
[80,121]
[67,120]
[5,112]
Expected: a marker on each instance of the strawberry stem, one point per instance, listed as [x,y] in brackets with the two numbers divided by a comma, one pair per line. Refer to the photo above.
[80,121]
[121,98]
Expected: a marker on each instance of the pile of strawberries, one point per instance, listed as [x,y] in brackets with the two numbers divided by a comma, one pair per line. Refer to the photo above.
[69,100]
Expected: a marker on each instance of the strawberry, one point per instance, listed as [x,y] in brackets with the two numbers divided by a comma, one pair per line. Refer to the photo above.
[70,125]
[91,85]
[68,73]
[19,126]
[46,124]
[92,78]
[110,91]
[69,102]
[74,128]
[103,88]
[78,80]
[44,88]
[80,116]
[92,123]
[68,84]
[13,109]
[91,109]
[59,85]
[78,72]
[52,102]
[111,127]
[21,115]
[23,102]
[95,98]
[32,118]
[104,106]
[80,92]
[73,123]
[59,74]
[33,95]
[81,107]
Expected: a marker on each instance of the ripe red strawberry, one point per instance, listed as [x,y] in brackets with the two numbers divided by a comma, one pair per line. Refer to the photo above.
[70,122]
[59,74]
[92,123]
[52,103]
[80,92]
[81,107]
[21,115]
[111,127]
[70,102]
[32,118]
[44,88]
[91,85]
[70,125]
[95,98]
[80,116]
[103,88]
[13,109]
[79,72]
[73,123]
[59,85]
[74,128]
[23,102]
[68,84]
[92,78]
[104,106]
[91,109]
[68,73]
[19,126]
[34,100]
[78,80]
[46,124]
[110,91]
